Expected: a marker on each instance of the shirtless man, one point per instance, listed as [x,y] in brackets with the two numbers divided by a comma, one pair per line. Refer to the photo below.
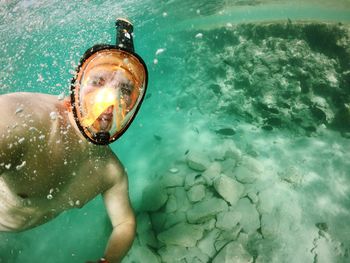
[54,154]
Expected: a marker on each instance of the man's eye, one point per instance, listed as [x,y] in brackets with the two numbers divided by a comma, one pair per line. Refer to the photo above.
[125,89]
[98,82]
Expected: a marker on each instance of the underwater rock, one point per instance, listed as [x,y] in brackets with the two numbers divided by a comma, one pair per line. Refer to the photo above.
[174,218]
[197,161]
[268,72]
[154,197]
[244,175]
[143,222]
[250,218]
[233,252]
[183,204]
[226,237]
[253,197]
[212,172]
[137,252]
[182,234]
[252,164]
[206,209]
[193,179]
[196,193]
[171,205]
[228,188]
[232,151]
[206,245]
[148,239]
[209,225]
[172,253]
[172,180]
[195,255]
[227,220]
[158,220]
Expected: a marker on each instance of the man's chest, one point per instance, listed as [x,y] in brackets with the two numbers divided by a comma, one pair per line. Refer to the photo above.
[55,180]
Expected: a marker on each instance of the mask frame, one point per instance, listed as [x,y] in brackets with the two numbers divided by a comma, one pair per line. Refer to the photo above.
[104,138]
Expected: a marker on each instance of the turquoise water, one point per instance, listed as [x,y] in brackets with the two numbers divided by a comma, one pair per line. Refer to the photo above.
[41,43]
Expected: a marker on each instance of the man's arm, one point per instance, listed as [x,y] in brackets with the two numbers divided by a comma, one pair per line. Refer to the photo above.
[122,218]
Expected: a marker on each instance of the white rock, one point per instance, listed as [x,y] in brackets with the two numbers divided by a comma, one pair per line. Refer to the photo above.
[252,164]
[245,175]
[172,180]
[174,218]
[195,255]
[206,245]
[182,234]
[212,173]
[206,209]
[228,167]
[253,197]
[233,252]
[199,35]
[142,252]
[143,223]
[172,253]
[171,205]
[267,200]
[228,188]
[154,197]
[173,170]
[227,220]
[226,237]
[158,220]
[197,161]
[193,179]
[209,225]
[232,151]
[148,238]
[183,204]
[196,193]
[250,220]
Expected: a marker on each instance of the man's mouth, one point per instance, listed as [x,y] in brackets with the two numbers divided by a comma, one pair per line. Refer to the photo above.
[104,120]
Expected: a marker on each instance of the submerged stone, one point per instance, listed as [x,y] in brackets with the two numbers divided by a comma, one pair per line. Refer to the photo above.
[182,234]
[233,252]
[229,189]
[154,197]
[197,161]
[202,211]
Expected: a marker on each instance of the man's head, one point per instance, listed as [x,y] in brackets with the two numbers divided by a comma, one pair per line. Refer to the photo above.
[107,91]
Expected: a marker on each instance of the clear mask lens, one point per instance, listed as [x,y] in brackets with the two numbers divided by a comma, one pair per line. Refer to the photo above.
[109,87]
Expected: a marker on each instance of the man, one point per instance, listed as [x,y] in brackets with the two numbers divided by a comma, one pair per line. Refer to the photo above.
[54,154]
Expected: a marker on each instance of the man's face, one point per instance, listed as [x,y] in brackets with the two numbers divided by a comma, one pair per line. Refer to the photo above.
[107,94]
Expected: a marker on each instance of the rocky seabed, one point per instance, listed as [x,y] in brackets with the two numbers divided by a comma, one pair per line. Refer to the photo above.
[224,210]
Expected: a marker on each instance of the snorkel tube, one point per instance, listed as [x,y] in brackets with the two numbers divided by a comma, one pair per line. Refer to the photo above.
[120,57]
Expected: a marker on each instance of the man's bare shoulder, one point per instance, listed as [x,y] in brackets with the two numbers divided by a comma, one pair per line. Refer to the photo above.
[114,171]
[16,101]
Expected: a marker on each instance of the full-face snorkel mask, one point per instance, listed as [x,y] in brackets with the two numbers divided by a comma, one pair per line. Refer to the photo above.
[108,88]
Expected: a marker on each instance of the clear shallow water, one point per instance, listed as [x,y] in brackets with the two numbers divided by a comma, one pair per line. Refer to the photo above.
[41,43]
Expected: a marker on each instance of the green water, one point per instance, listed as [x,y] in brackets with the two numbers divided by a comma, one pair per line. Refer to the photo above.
[41,43]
